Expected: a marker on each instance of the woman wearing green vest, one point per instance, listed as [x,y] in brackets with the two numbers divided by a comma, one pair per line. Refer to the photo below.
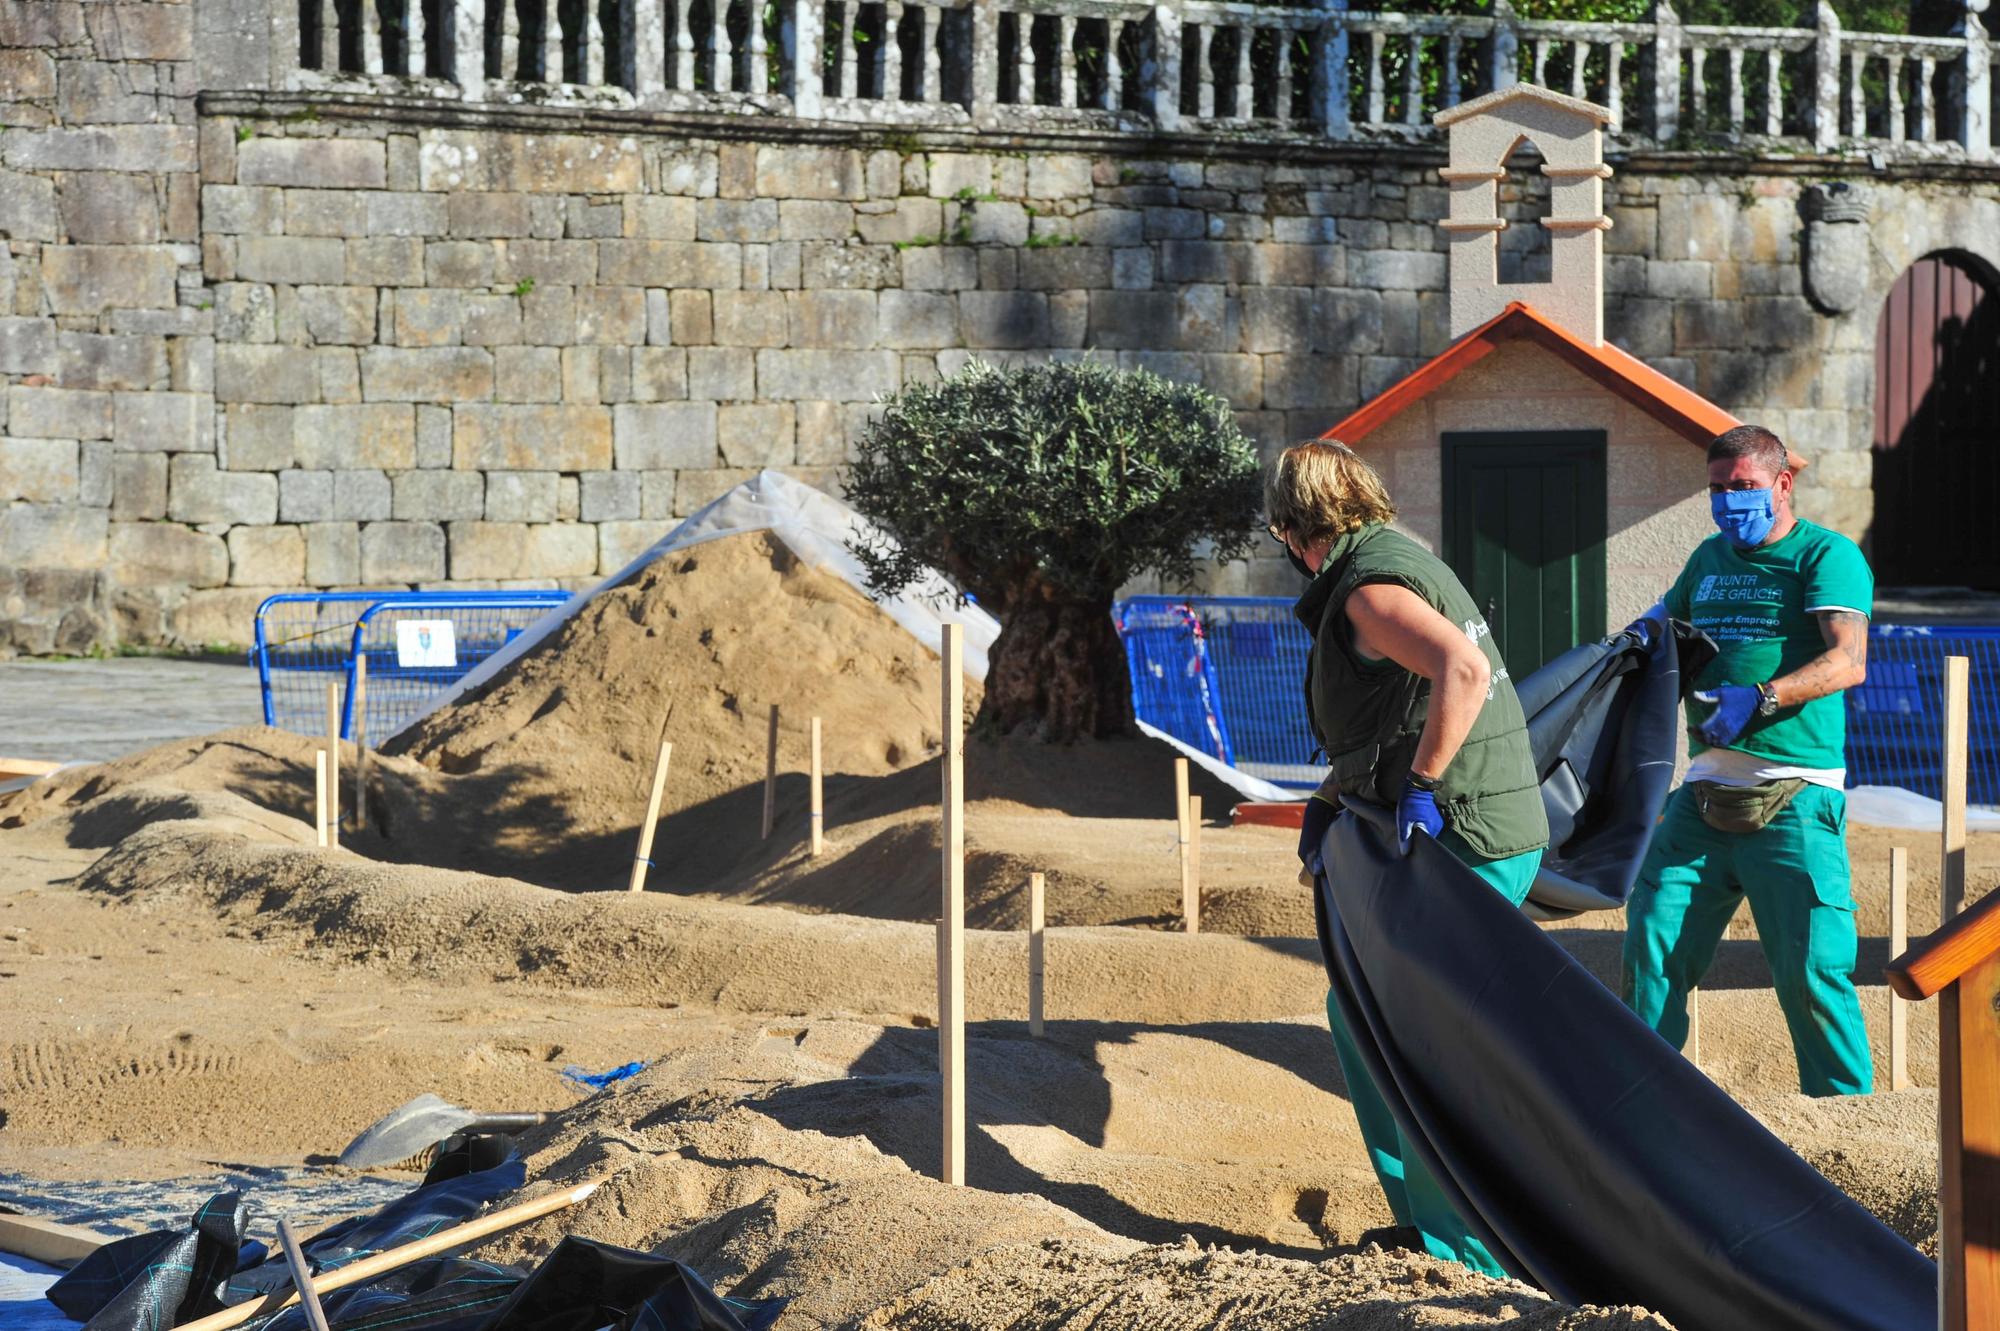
[1416,712]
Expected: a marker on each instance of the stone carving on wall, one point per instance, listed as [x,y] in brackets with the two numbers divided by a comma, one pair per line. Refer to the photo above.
[1836,249]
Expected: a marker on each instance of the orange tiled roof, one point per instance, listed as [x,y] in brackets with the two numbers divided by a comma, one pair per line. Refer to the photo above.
[1689,414]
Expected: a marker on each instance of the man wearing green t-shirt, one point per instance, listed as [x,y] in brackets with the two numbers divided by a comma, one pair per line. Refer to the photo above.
[1761,813]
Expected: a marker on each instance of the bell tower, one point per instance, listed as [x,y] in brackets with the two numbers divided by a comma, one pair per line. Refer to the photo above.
[1483,134]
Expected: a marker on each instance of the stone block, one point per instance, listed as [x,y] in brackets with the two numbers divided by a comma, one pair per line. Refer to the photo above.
[110,208]
[567,499]
[313,163]
[41,471]
[1237,378]
[360,495]
[426,374]
[548,316]
[217,618]
[744,318]
[198,491]
[266,556]
[830,319]
[1132,268]
[867,267]
[521,496]
[1131,318]
[27,204]
[339,372]
[1175,223]
[90,279]
[305,496]
[995,223]
[836,376]
[1059,176]
[451,159]
[165,554]
[341,316]
[141,31]
[137,148]
[409,552]
[940,268]
[722,374]
[798,219]
[658,436]
[380,435]
[292,259]
[527,374]
[487,215]
[426,318]
[609,496]
[755,434]
[386,261]
[917,319]
[407,213]
[694,489]
[433,436]
[256,438]
[58,413]
[460,263]
[695,171]
[582,374]
[659,374]
[333,553]
[571,437]
[52,536]
[652,217]
[162,422]
[1680,279]
[27,74]
[620,541]
[98,360]
[257,373]
[1002,319]
[138,486]
[1065,268]
[713,266]
[1069,318]
[1109,227]
[587,219]
[810,173]
[739,220]
[909,220]
[521,550]
[958,175]
[1311,382]
[437,496]
[1347,322]
[325,212]
[1277,319]
[242,209]
[1398,270]
[656,498]
[611,316]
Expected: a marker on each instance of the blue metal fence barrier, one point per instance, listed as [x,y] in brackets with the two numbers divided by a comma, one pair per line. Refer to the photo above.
[1225,674]
[306,640]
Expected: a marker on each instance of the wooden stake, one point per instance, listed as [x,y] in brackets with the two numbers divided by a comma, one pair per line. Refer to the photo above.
[458,1236]
[643,860]
[1693,1046]
[319,794]
[1899,943]
[951,987]
[770,776]
[1191,878]
[818,809]
[1181,825]
[333,761]
[1035,954]
[1951,869]
[302,1276]
[361,742]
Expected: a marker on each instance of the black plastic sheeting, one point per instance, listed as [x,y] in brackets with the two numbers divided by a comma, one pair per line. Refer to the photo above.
[1603,721]
[1582,1149]
[149,1282]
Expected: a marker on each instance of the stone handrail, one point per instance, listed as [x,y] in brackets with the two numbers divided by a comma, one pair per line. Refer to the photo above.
[1291,72]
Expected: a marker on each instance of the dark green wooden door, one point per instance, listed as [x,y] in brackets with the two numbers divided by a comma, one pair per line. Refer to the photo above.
[1524,530]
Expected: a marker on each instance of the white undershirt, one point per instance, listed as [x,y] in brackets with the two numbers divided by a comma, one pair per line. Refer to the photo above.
[1733,767]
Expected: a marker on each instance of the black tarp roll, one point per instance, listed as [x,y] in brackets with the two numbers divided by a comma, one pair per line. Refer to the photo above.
[1586,1153]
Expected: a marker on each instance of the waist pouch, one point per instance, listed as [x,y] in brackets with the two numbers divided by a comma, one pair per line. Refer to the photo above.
[1743,808]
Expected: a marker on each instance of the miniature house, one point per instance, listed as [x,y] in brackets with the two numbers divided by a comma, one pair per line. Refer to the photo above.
[1564,480]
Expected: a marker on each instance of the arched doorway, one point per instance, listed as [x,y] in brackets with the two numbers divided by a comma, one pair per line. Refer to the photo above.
[1937,427]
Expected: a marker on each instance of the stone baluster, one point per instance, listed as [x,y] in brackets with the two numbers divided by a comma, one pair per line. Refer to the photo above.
[1542,61]
[722,55]
[1698,84]
[760,54]
[1114,66]
[1161,75]
[805,57]
[552,43]
[1448,93]
[1857,108]
[1282,107]
[329,37]
[649,50]
[1614,82]
[593,45]
[1736,92]
[1663,73]
[510,39]
[414,62]
[1024,59]
[1413,81]
[1066,61]
[1895,125]
[1826,78]
[1973,87]
[1774,92]
[1926,100]
[1503,48]
[1329,73]
[1242,101]
[892,50]
[684,46]
[850,51]
[1579,60]
[933,64]
[1205,72]
[370,14]
[465,53]
[1377,100]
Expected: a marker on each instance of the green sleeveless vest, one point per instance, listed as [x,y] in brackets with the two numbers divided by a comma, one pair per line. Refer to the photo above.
[1369,715]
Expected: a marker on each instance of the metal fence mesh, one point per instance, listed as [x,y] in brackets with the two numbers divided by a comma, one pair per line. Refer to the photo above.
[1225,675]
[306,640]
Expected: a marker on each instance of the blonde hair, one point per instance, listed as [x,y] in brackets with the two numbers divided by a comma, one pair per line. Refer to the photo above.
[1321,488]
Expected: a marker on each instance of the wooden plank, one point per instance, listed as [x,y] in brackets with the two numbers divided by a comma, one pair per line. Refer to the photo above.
[1181,823]
[1951,1165]
[1932,964]
[319,795]
[644,859]
[1951,879]
[818,807]
[1899,943]
[1978,1201]
[1692,1048]
[770,776]
[951,988]
[302,1276]
[361,742]
[333,762]
[1036,957]
[48,1241]
[13,769]
[1191,880]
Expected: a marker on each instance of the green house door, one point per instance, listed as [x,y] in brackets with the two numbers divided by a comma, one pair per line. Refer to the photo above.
[1524,530]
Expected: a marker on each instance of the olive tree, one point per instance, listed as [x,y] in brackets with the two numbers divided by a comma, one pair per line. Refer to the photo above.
[1040,490]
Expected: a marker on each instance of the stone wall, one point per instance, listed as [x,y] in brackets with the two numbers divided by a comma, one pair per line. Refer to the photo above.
[399,342]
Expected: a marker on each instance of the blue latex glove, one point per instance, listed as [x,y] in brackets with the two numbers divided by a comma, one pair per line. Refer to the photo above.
[1734,705]
[1417,811]
[1319,816]
[1646,625]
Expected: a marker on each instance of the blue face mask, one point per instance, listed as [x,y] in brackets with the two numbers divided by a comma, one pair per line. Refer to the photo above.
[1745,516]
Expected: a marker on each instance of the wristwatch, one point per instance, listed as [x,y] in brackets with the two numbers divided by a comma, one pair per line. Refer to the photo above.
[1767,700]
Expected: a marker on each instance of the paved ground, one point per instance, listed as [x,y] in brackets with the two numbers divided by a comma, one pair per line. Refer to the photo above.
[91,710]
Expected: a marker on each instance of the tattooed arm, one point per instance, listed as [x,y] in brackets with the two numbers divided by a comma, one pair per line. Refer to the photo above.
[1842,665]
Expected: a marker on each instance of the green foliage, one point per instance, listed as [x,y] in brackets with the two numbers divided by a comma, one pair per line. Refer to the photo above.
[1057,481]
[915,243]
[524,286]
[244,133]
[1044,240]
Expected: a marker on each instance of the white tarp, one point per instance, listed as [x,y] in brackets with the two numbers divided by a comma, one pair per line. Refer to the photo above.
[1892,806]
[814,526]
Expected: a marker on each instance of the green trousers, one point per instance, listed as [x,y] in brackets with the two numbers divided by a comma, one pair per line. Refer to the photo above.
[1794,872]
[1413,1194]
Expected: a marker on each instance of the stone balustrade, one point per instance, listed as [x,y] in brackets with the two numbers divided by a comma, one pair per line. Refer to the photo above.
[1323,71]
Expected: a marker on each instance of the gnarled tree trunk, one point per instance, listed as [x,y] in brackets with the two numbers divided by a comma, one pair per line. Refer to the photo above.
[1059,668]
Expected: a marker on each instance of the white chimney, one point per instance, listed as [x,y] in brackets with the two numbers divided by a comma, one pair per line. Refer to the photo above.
[1483,135]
